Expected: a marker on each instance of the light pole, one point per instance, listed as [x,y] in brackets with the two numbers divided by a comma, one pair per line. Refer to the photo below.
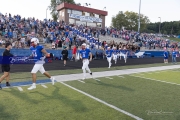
[46,12]
[139,16]
[159,25]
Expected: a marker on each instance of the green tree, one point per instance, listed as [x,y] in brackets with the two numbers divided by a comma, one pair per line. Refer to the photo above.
[119,20]
[54,4]
[166,27]
[129,20]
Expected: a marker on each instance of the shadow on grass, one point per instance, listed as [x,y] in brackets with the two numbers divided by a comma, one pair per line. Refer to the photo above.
[77,105]
[7,115]
[22,96]
[112,86]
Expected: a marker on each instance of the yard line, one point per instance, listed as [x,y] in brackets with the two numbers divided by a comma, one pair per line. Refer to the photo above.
[103,102]
[20,89]
[81,81]
[120,76]
[109,78]
[97,79]
[44,86]
[155,80]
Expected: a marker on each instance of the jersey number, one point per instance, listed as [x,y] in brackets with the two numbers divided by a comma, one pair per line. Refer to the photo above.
[84,55]
[34,53]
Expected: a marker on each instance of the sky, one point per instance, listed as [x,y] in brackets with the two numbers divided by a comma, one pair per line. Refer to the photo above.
[166,9]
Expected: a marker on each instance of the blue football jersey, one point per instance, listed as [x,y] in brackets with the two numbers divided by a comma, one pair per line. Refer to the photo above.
[165,54]
[85,53]
[36,52]
[124,51]
[115,52]
[109,53]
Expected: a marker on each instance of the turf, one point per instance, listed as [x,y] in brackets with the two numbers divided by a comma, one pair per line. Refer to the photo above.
[26,76]
[167,76]
[55,103]
[146,99]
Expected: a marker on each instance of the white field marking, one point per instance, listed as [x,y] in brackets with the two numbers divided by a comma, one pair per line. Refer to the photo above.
[20,89]
[96,79]
[25,85]
[44,86]
[103,102]
[109,78]
[81,81]
[121,76]
[155,80]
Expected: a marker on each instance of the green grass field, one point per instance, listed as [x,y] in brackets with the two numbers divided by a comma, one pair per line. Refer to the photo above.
[55,103]
[147,99]
[150,96]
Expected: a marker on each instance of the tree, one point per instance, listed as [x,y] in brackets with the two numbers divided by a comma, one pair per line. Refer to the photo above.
[172,27]
[119,20]
[54,4]
[129,20]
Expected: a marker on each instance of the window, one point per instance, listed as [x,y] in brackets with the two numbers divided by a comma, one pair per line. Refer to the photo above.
[91,24]
[96,15]
[76,12]
[87,14]
[99,25]
[69,11]
[71,21]
[80,23]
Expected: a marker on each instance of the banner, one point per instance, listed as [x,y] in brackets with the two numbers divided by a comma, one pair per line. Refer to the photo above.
[85,18]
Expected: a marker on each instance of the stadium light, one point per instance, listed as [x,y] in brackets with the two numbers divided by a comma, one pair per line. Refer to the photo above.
[104,8]
[46,11]
[139,17]
[159,25]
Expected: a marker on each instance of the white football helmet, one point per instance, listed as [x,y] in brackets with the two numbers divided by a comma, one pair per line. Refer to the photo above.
[35,41]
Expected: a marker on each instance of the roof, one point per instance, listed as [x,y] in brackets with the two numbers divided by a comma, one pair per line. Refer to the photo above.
[81,8]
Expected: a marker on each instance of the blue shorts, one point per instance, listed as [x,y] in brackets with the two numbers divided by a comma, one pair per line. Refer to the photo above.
[165,57]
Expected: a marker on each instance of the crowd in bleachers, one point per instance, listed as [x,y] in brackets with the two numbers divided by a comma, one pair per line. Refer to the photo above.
[19,32]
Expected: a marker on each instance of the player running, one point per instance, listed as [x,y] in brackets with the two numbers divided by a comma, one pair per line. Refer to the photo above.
[109,56]
[120,53]
[84,56]
[37,54]
[125,53]
[115,54]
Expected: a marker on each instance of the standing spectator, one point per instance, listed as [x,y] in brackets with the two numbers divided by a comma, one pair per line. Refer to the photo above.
[65,55]
[174,56]
[74,51]
[6,64]
[53,45]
